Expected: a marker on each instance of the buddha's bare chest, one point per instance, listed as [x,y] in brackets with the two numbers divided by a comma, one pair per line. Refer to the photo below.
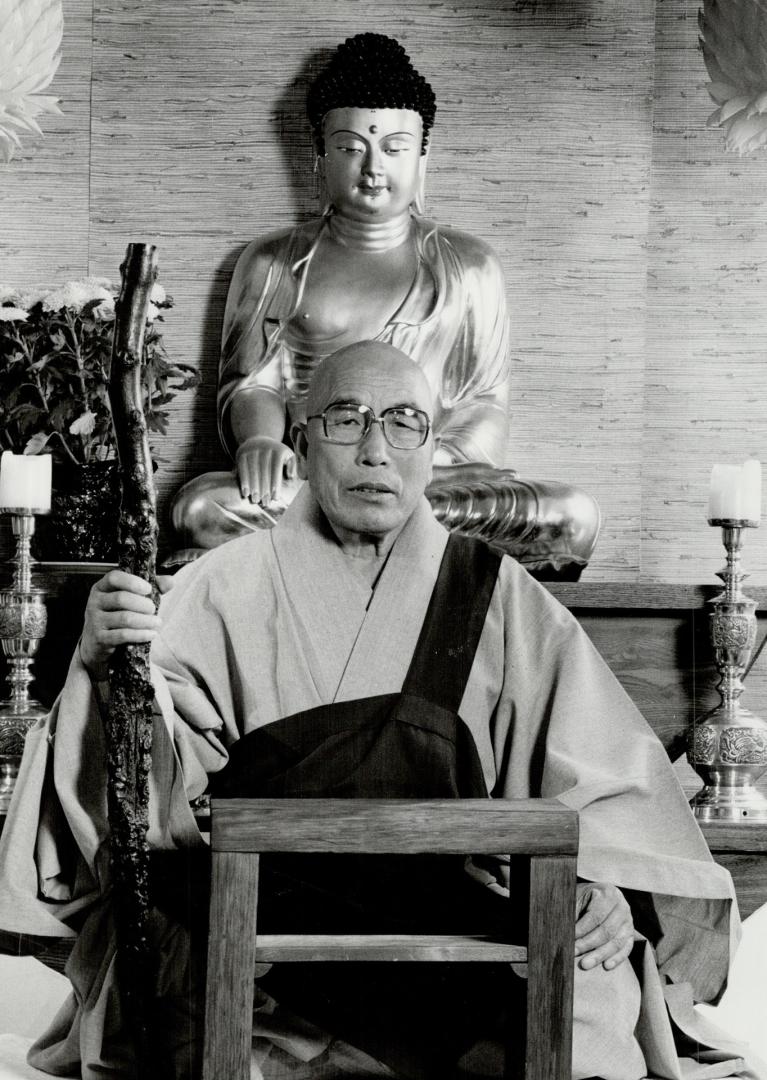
[350,295]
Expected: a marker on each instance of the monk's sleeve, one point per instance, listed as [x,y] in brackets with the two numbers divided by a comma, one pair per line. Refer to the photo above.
[54,849]
[565,727]
[202,680]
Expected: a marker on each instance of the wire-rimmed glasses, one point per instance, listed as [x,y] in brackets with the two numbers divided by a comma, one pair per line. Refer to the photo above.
[348,423]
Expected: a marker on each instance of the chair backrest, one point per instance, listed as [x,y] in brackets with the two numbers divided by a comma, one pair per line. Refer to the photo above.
[541,831]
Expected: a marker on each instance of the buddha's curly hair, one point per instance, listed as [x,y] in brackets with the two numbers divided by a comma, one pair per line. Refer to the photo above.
[370,71]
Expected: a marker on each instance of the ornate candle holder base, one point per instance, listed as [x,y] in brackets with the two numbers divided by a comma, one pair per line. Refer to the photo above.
[728,747]
[729,752]
[16,719]
[23,621]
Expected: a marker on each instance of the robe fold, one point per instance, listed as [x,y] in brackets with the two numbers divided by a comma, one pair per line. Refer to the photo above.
[279,622]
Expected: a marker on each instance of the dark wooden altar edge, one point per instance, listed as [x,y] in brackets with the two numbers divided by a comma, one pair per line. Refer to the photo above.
[741,849]
[53,575]
[744,837]
[644,596]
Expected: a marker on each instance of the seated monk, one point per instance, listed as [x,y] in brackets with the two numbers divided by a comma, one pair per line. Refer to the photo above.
[290,662]
[372,268]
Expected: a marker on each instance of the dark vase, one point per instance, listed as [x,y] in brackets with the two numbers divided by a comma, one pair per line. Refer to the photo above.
[85,507]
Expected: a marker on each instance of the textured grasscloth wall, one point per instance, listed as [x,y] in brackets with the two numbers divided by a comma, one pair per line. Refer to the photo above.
[44,192]
[706,375]
[571,136]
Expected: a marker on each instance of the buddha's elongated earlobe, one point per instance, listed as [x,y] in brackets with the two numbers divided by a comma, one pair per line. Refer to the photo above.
[319,190]
[419,202]
[317,178]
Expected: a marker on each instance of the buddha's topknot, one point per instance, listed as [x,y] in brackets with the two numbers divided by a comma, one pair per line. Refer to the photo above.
[370,71]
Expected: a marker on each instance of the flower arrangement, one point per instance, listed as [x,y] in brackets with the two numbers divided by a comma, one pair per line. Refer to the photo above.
[55,354]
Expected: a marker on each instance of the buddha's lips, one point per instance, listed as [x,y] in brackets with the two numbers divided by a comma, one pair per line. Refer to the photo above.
[369,189]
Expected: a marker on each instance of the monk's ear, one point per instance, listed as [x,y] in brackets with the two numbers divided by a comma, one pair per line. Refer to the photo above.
[301,446]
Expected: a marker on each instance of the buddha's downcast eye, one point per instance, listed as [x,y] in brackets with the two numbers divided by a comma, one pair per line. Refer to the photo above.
[396,146]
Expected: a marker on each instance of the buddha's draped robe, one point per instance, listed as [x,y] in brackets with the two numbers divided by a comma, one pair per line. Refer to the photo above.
[279,622]
[452,323]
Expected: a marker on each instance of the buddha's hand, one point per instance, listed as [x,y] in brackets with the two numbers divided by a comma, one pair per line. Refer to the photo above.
[604,930]
[120,611]
[262,463]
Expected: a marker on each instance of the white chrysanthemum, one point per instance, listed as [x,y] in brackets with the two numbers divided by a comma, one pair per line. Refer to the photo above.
[157,295]
[30,52]
[72,295]
[13,314]
[734,44]
[75,295]
[152,312]
[7,293]
[27,298]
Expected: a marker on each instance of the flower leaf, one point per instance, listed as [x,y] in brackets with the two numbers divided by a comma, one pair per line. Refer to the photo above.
[84,424]
[36,443]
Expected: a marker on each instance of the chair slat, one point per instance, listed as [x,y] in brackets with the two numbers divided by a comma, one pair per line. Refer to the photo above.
[386,826]
[231,960]
[551,941]
[275,948]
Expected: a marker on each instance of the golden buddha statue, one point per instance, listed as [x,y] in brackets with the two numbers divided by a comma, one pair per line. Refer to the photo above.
[373,268]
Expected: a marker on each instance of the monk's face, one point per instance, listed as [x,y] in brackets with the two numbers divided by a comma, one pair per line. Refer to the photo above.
[367,490]
[372,161]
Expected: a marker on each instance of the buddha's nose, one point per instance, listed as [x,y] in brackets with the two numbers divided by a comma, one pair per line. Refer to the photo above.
[373,163]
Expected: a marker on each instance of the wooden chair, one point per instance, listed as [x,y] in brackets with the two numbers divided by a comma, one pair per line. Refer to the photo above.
[542,830]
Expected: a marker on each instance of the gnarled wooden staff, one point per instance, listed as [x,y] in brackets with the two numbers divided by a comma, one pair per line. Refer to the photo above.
[129,722]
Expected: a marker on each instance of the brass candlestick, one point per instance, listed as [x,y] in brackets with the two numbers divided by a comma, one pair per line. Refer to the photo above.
[728,747]
[23,620]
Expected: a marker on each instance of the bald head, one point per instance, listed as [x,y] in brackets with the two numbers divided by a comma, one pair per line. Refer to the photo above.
[368,489]
[362,366]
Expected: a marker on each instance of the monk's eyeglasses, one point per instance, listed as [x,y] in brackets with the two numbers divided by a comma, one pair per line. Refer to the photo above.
[348,423]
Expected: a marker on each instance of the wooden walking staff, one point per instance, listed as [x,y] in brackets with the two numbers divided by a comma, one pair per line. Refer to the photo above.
[129,722]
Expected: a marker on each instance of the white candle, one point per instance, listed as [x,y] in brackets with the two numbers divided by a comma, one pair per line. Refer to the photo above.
[735,493]
[752,490]
[25,481]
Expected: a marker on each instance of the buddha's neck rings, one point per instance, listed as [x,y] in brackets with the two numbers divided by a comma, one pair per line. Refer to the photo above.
[369,236]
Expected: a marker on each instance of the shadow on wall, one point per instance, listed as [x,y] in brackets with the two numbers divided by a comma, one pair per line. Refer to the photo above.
[295,137]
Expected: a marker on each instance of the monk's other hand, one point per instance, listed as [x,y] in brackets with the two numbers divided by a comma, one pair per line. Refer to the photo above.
[604,930]
[120,611]
[262,464]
